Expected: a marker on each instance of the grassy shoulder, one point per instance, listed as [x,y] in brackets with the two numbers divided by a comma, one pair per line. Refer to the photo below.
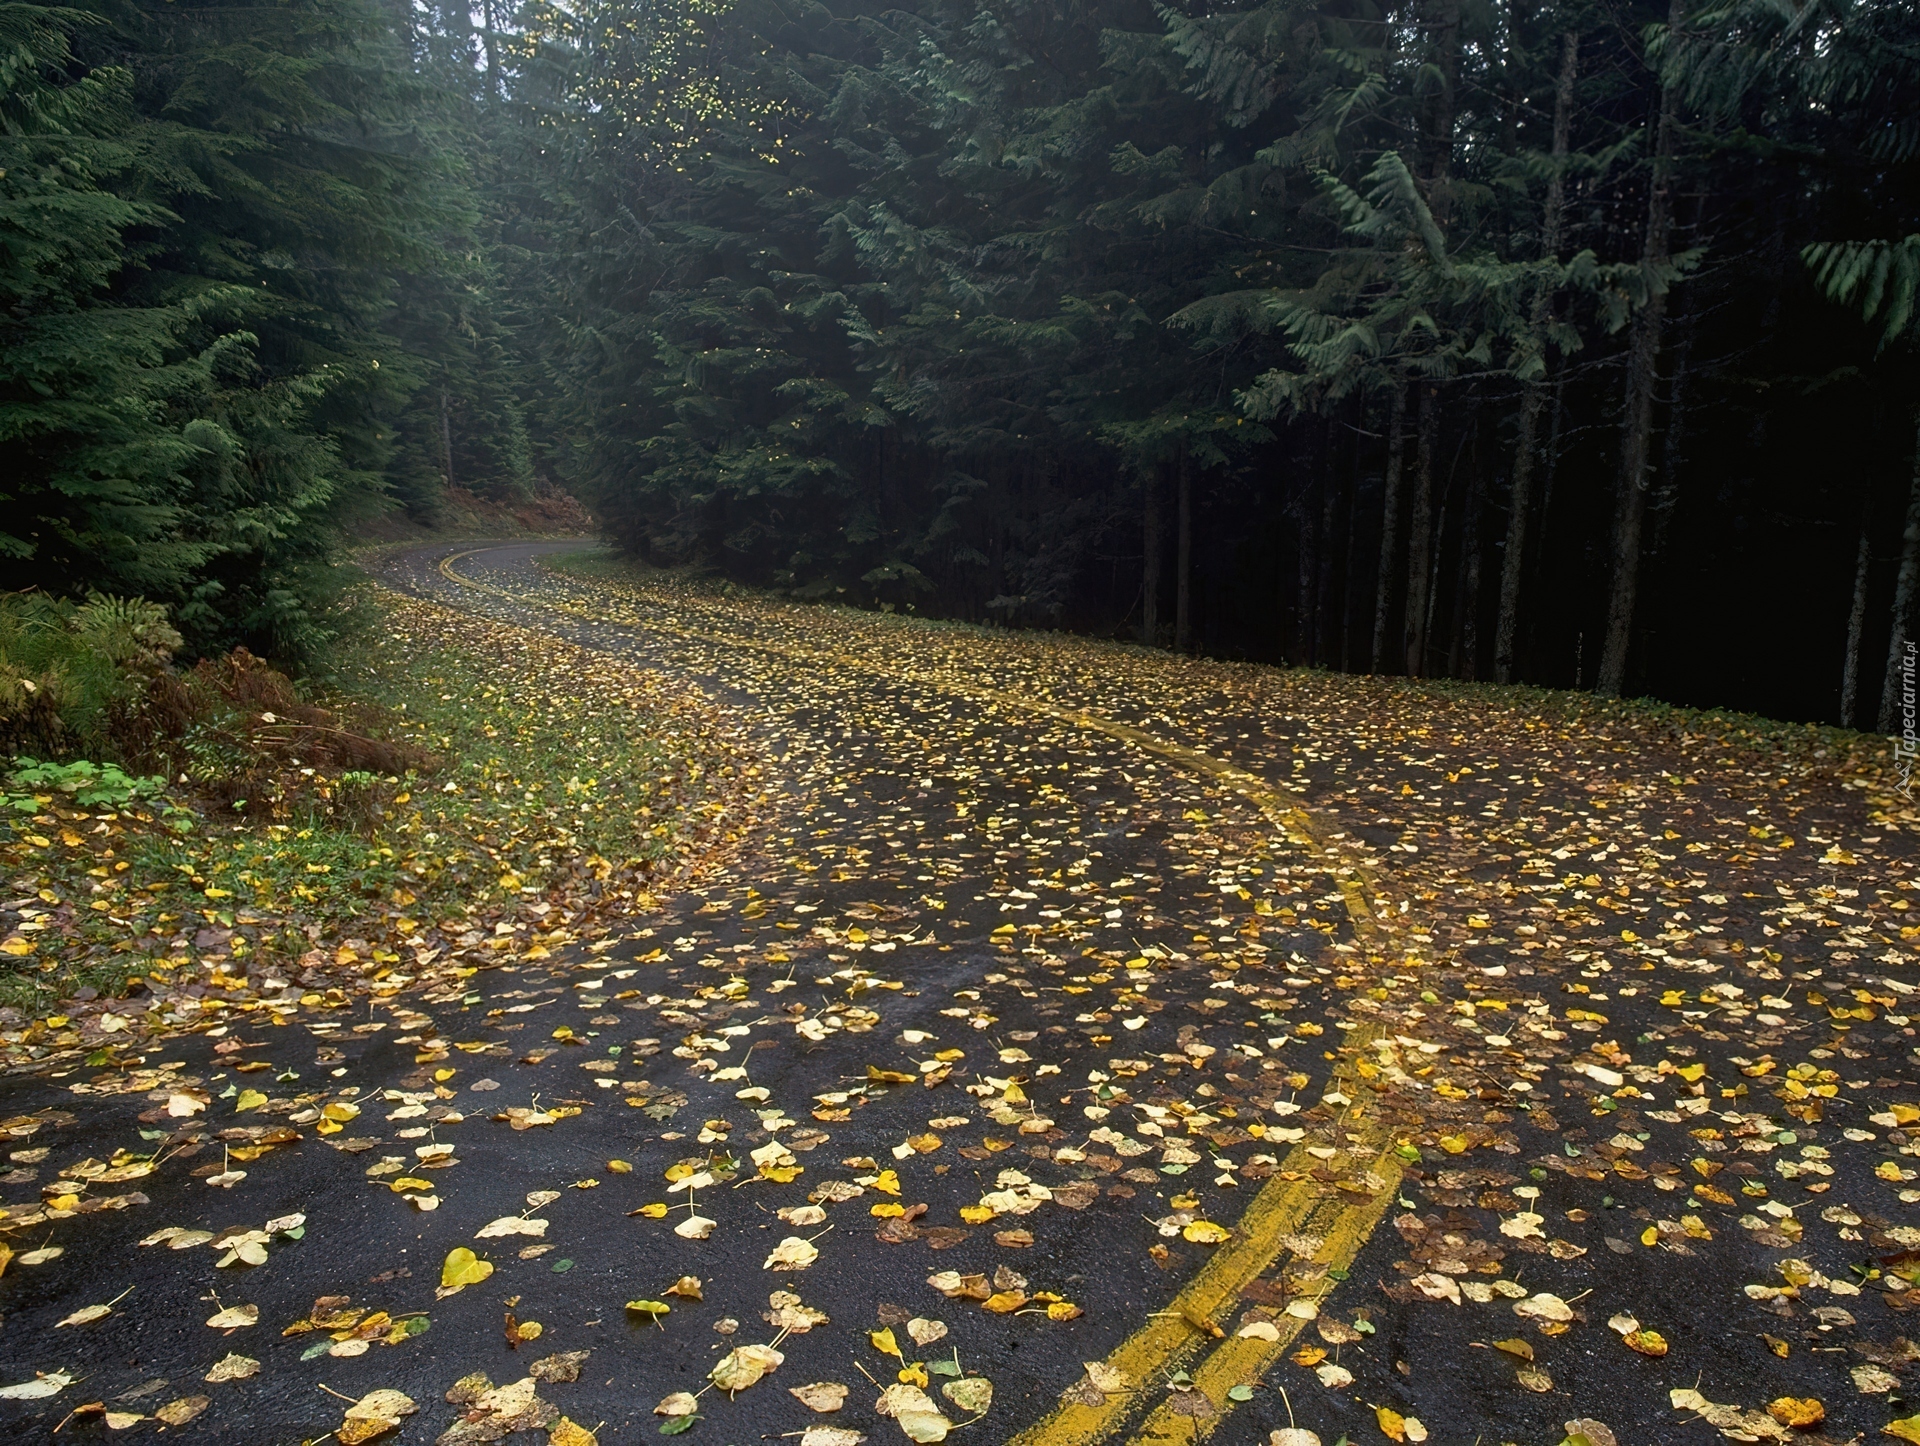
[548,792]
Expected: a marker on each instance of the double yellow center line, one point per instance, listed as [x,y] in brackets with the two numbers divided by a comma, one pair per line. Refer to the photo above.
[1196,1332]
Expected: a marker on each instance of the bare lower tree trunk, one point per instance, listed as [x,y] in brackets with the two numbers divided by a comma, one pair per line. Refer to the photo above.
[446,434]
[1183,561]
[1323,551]
[1543,548]
[1352,566]
[1673,445]
[1902,601]
[1513,561]
[1389,524]
[1150,566]
[1857,619]
[1305,561]
[1435,664]
[489,39]
[1506,626]
[1420,528]
[1631,509]
[1643,363]
[1468,608]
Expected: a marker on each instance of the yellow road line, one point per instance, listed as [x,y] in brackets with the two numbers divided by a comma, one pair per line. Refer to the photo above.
[1356,885]
[1344,1224]
[446,571]
[1282,1213]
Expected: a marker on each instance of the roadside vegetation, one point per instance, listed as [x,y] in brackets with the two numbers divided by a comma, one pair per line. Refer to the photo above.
[454,792]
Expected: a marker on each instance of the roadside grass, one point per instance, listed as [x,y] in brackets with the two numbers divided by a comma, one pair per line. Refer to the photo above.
[556,791]
[1754,735]
[604,564]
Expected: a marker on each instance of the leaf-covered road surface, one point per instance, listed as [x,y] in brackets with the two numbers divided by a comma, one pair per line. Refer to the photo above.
[1088,1045]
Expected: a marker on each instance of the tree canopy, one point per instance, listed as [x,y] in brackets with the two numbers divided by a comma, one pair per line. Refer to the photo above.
[1568,343]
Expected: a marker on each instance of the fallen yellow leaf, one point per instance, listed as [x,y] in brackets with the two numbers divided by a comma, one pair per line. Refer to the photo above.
[463,1268]
[1801,1414]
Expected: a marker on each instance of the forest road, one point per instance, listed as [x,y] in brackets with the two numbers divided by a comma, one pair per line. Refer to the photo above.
[1048,1058]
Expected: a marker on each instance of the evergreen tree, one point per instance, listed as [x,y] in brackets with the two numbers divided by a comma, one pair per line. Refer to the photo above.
[1409,336]
[209,210]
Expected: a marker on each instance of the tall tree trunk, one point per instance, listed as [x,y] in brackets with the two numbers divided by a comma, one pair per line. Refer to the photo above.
[446,434]
[1435,665]
[1443,41]
[1643,364]
[1506,626]
[1673,444]
[1673,440]
[1151,561]
[1351,569]
[489,39]
[1543,548]
[1447,508]
[1389,523]
[1513,561]
[1306,567]
[1512,93]
[1903,586]
[1420,528]
[1467,610]
[1323,621]
[1857,618]
[1183,561]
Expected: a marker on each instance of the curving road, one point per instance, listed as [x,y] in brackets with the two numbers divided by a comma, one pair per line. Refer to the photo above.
[1043,938]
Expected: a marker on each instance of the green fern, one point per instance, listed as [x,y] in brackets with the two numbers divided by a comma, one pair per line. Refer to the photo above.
[1881,277]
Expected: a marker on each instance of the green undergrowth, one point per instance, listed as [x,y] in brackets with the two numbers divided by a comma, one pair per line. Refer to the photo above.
[605,565]
[538,791]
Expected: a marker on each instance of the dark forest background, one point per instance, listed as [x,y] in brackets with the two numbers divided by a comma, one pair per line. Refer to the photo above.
[1562,343]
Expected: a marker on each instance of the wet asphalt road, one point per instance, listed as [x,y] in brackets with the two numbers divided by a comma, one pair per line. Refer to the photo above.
[911,821]
[856,779]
